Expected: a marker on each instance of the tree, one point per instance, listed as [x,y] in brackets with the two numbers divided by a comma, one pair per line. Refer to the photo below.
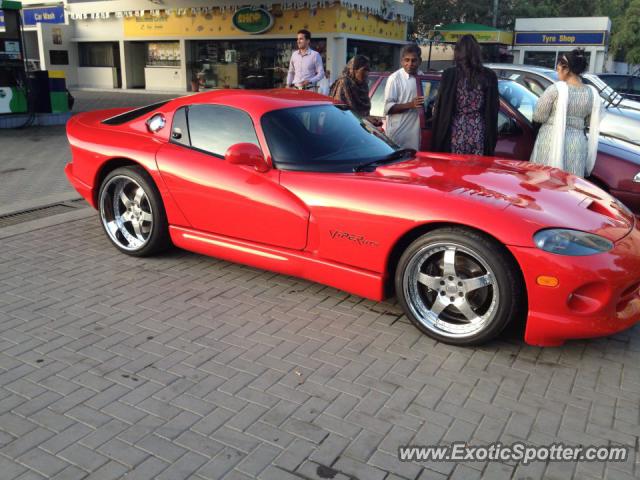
[625,39]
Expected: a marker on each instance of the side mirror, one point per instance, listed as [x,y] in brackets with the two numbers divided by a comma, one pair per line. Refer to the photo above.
[246,154]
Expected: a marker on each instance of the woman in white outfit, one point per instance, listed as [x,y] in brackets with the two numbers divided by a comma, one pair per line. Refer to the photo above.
[565,110]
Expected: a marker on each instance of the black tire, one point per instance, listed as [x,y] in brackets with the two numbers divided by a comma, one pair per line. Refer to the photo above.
[152,235]
[441,309]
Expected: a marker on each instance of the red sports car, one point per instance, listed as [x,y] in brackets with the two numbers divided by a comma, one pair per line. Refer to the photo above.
[287,181]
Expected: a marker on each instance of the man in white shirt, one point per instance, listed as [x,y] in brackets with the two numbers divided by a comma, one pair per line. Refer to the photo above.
[305,66]
[401,101]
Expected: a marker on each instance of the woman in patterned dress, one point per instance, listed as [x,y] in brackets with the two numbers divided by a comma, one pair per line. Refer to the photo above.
[466,111]
[565,110]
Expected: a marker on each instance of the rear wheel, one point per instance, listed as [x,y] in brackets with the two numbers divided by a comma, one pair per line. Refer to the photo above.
[132,213]
[459,286]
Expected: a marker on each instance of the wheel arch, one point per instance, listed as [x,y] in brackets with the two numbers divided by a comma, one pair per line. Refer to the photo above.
[174,215]
[106,168]
[408,237]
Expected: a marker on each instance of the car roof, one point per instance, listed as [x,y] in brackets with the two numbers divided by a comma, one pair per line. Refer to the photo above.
[257,102]
[522,68]
[607,74]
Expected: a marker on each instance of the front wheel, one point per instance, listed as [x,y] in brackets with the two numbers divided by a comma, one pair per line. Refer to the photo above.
[132,213]
[459,286]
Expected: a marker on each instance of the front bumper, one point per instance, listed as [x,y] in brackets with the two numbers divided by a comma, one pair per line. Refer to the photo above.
[597,295]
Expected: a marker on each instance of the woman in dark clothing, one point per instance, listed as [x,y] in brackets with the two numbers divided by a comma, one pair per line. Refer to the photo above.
[466,110]
[352,88]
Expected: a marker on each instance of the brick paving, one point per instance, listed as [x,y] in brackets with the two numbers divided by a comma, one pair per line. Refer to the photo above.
[188,367]
[32,159]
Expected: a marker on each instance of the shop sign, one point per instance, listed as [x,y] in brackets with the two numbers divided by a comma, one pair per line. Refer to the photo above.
[253,20]
[450,36]
[33,16]
[560,38]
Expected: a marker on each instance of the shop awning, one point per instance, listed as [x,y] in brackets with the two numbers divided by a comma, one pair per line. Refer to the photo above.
[388,9]
[10,5]
[484,34]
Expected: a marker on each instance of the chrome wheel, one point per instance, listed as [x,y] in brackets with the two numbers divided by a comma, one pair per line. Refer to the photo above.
[126,213]
[451,290]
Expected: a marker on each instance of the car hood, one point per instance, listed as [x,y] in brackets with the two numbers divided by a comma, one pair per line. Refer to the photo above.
[543,197]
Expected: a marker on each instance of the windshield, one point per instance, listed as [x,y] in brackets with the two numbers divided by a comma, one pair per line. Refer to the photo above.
[323,138]
[605,90]
[519,97]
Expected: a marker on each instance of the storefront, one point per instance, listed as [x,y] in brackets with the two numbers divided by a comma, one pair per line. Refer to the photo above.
[231,45]
[493,42]
[540,41]
[34,12]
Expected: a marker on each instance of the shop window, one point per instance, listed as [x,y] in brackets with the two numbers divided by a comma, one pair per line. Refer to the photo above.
[381,55]
[540,59]
[98,54]
[163,54]
[58,57]
[252,64]
[213,129]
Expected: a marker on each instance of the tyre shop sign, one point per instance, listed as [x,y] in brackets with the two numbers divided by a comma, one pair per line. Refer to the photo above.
[253,20]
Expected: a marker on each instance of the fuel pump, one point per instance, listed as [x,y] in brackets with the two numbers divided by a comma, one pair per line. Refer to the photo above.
[14,89]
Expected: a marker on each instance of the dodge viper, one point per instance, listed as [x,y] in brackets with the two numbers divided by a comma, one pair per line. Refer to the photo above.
[288,181]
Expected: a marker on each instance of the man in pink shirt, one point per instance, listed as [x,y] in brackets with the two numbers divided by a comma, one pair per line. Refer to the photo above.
[305,67]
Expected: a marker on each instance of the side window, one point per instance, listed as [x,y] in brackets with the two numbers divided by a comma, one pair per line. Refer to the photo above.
[504,123]
[179,128]
[534,85]
[635,86]
[214,128]
[430,92]
[377,100]
[371,80]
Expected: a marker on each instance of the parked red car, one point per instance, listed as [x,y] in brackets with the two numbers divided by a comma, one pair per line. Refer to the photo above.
[287,181]
[617,168]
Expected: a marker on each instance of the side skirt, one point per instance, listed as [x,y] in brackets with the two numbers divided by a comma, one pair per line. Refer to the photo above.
[288,262]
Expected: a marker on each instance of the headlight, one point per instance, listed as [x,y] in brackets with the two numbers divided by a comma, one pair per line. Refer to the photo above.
[571,242]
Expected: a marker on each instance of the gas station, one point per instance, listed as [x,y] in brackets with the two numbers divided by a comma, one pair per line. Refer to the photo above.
[26,98]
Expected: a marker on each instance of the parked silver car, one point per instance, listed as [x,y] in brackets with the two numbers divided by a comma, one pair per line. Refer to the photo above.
[623,116]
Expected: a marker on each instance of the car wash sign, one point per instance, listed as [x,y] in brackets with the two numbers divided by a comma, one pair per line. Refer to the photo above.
[253,20]
[33,16]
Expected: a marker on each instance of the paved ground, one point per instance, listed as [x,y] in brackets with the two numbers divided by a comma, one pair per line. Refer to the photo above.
[183,366]
[32,159]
